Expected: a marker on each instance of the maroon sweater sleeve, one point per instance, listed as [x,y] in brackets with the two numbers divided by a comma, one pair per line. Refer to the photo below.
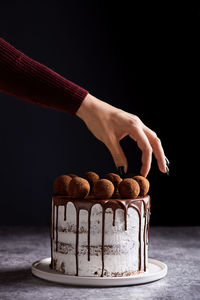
[30,80]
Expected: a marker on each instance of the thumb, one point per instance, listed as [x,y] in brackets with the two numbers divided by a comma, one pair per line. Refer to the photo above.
[118,154]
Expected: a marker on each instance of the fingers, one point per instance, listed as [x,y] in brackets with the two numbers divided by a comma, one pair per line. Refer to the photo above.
[148,142]
[117,153]
[143,143]
[157,148]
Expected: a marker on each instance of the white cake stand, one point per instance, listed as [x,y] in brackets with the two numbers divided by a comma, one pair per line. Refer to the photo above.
[156,270]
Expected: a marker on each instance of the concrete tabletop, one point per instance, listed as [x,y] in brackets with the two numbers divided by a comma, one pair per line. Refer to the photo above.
[178,247]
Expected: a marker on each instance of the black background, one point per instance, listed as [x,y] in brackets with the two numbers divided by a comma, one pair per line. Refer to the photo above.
[140,59]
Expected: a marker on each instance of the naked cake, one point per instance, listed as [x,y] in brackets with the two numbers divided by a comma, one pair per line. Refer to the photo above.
[97,227]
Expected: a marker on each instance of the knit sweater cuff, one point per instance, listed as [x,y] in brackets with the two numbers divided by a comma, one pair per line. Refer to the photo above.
[30,80]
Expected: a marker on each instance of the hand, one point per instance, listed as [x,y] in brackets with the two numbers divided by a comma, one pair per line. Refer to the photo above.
[110,124]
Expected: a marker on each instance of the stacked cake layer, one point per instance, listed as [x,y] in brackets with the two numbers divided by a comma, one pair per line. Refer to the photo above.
[100,238]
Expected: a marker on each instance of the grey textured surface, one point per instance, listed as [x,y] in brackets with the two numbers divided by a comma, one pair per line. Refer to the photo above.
[178,247]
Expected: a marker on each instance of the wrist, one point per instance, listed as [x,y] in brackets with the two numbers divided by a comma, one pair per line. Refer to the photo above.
[86,106]
[94,108]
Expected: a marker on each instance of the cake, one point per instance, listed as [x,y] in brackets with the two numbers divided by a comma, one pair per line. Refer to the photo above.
[97,236]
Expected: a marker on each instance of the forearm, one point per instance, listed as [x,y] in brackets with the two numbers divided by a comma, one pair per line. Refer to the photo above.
[30,80]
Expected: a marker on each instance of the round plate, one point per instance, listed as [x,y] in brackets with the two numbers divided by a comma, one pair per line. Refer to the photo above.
[156,270]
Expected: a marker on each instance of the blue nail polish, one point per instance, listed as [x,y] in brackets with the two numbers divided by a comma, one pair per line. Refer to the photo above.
[167,168]
[167,161]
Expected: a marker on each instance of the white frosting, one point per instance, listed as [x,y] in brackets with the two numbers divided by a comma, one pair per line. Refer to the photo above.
[121,248]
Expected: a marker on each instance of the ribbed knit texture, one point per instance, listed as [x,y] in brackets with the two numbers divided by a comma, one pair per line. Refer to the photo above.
[30,80]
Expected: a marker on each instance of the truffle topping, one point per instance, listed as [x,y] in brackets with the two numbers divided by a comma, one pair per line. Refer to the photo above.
[61,184]
[129,188]
[91,177]
[143,183]
[114,178]
[79,187]
[103,189]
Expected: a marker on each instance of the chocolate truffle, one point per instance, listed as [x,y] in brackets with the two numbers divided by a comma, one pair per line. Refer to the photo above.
[61,184]
[114,178]
[143,183]
[91,177]
[103,189]
[79,187]
[129,188]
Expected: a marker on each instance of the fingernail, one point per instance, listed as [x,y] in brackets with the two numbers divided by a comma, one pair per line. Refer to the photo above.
[167,169]
[167,161]
[120,171]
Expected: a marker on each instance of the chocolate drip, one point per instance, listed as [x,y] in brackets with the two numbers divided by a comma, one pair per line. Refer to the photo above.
[144,233]
[138,209]
[113,203]
[51,234]
[114,214]
[57,227]
[65,212]
[102,247]
[77,238]
[125,218]
[53,220]
[144,236]
[146,227]
[89,216]
[140,246]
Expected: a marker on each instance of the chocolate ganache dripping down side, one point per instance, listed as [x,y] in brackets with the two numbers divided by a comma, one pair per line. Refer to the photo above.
[113,203]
